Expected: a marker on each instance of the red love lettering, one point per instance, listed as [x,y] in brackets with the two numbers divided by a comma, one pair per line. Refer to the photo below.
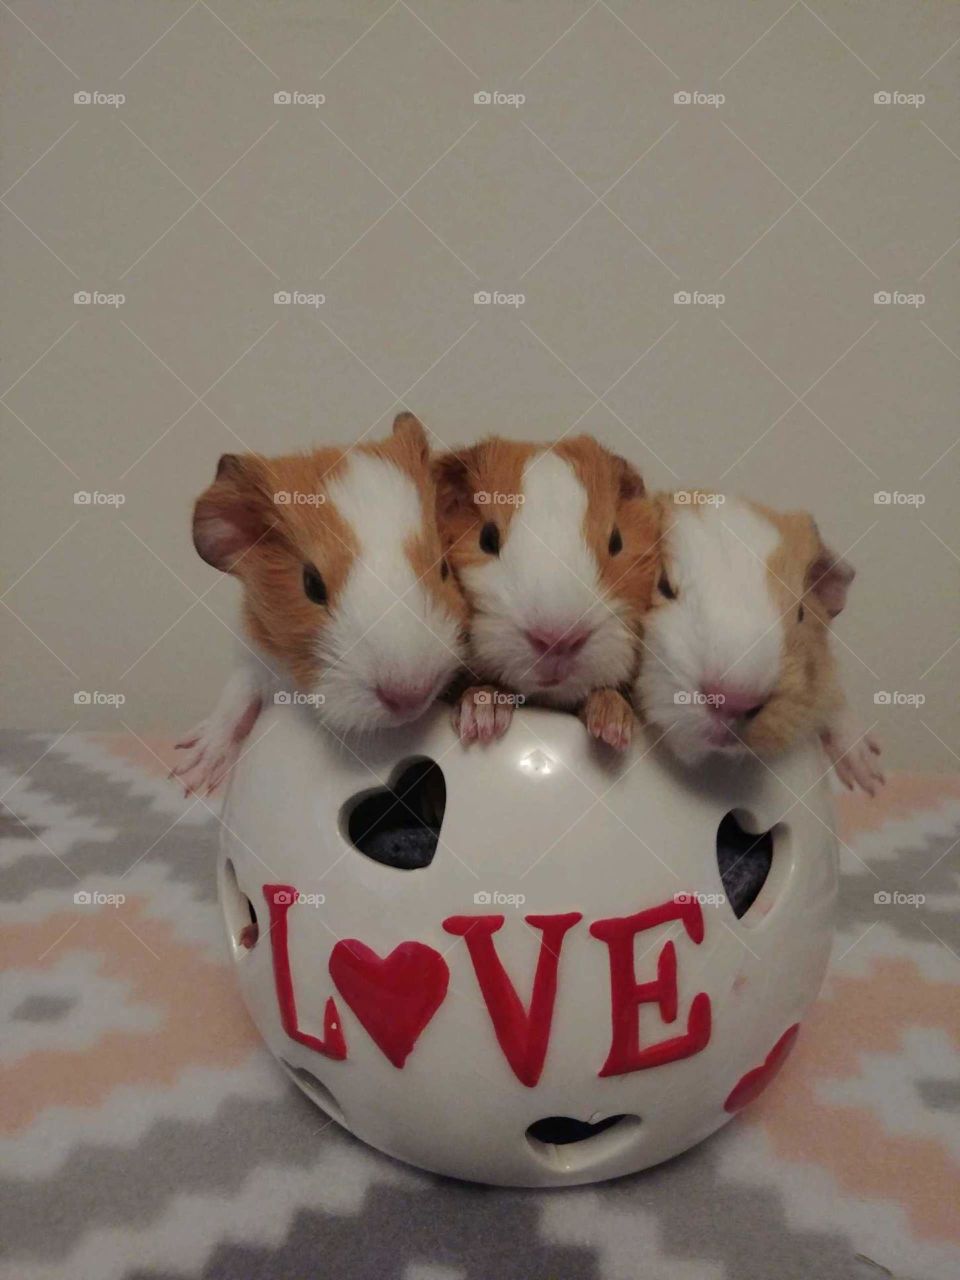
[523,1033]
[627,994]
[280,898]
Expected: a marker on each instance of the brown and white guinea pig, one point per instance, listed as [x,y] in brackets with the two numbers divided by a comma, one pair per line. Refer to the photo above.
[347,599]
[552,546]
[736,645]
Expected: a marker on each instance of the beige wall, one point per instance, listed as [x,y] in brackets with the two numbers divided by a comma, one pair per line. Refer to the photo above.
[597,198]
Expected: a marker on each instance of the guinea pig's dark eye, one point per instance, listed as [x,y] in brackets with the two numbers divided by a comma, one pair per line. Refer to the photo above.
[490,539]
[616,542]
[801,613]
[313,585]
[665,589]
[444,571]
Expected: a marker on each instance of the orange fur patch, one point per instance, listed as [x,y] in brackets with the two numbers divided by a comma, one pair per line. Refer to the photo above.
[282,537]
[808,690]
[614,499]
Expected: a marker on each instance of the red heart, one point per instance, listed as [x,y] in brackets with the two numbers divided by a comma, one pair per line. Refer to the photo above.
[394,998]
[754,1082]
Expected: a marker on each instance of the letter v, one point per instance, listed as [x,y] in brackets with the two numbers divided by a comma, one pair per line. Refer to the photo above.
[523,1033]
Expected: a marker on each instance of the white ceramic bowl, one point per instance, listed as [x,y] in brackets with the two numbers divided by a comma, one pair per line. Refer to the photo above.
[671,1015]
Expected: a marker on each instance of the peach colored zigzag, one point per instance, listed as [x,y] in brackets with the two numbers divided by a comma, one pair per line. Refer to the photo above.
[203,1019]
[906,795]
[867,1014]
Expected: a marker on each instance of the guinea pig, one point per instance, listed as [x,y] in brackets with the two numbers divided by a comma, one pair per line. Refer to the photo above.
[736,644]
[552,547]
[348,602]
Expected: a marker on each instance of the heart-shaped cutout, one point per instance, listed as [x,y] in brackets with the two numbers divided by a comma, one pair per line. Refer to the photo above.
[560,1131]
[754,1082]
[399,825]
[744,857]
[395,996]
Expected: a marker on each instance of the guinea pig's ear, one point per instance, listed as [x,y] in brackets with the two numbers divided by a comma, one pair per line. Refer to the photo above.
[630,479]
[234,513]
[829,578]
[455,477]
[410,433]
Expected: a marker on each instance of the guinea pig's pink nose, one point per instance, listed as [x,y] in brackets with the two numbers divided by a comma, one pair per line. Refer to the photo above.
[403,699]
[553,640]
[734,704]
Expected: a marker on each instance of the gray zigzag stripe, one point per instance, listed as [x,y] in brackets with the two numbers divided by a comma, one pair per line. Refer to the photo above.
[482,1233]
[703,1215]
[906,873]
[101,1186]
[940,1095]
[187,851]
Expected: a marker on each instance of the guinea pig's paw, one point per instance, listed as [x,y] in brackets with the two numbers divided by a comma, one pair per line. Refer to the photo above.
[213,751]
[609,718]
[482,714]
[854,759]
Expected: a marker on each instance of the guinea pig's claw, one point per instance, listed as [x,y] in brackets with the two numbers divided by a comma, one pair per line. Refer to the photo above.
[463,725]
[854,760]
[212,756]
[481,715]
[609,718]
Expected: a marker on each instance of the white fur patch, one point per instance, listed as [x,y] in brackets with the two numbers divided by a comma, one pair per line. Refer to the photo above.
[722,629]
[546,577]
[386,628]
